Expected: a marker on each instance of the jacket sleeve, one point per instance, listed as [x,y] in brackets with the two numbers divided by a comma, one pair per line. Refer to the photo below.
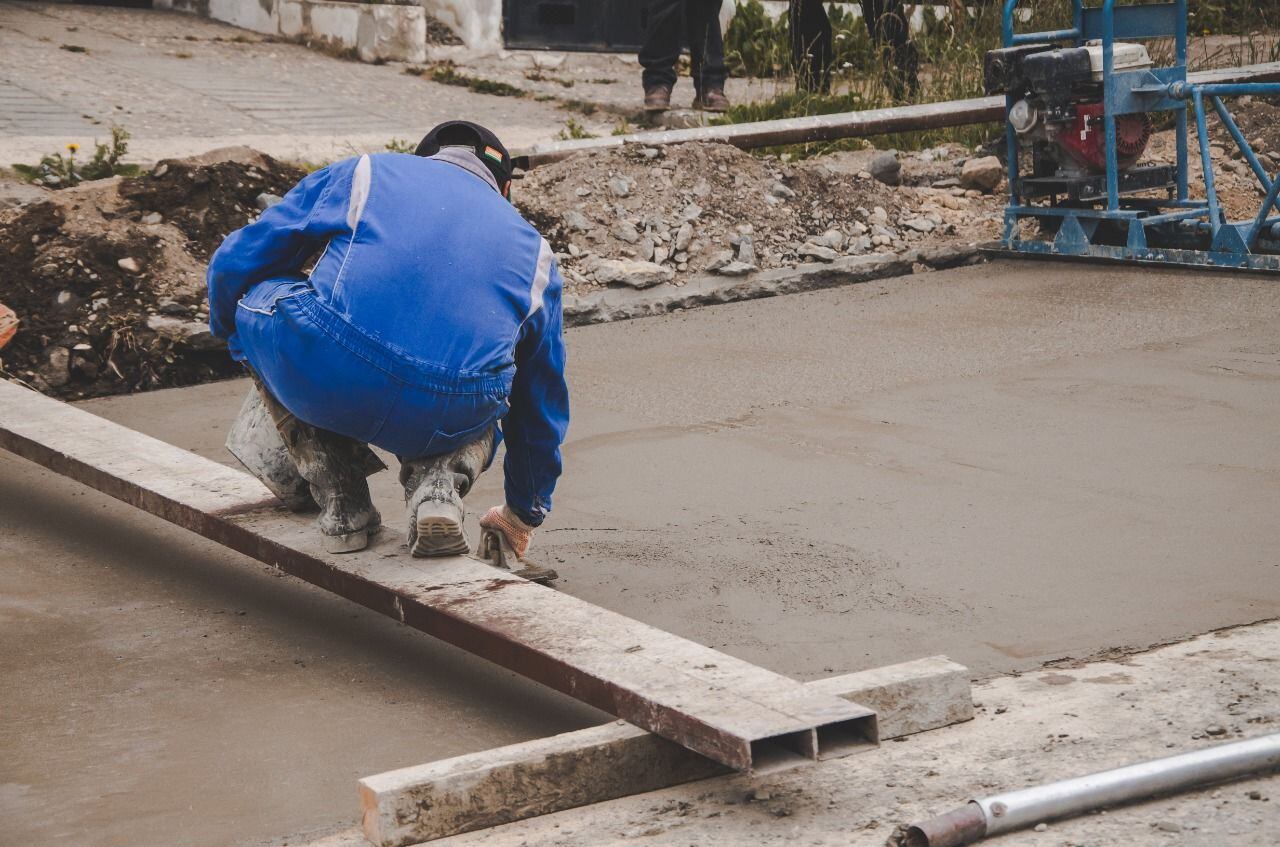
[535,426]
[279,242]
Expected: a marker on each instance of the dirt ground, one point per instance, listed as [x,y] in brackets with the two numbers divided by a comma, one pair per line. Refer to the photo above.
[108,278]
[1010,464]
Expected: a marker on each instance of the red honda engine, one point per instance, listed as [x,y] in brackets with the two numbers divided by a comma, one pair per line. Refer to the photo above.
[1057,105]
[1084,140]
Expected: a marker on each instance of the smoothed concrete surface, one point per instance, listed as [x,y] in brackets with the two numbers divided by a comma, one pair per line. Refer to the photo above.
[1006,464]
[156,689]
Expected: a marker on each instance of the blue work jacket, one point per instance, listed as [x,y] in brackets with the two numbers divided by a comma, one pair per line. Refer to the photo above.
[432,313]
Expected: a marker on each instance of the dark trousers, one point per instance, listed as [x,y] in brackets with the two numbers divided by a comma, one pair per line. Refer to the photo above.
[811,51]
[886,21]
[673,24]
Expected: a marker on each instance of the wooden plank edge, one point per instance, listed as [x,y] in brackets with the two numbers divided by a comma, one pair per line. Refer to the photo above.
[481,790]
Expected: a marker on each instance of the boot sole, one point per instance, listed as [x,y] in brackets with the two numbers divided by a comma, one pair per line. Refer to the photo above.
[437,535]
[352,542]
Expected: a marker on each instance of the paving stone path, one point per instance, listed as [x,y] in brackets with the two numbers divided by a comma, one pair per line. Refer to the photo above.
[182,84]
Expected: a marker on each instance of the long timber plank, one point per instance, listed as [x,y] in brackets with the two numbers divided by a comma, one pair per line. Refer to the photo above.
[740,715]
[869,122]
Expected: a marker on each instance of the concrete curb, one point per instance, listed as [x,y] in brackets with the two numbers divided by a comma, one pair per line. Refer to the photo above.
[519,781]
[619,304]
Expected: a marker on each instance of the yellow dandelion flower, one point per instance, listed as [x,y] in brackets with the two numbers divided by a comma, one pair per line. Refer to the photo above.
[73,147]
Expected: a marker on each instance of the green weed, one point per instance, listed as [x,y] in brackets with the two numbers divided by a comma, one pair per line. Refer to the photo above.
[63,171]
[573,130]
[584,107]
[539,76]
[447,74]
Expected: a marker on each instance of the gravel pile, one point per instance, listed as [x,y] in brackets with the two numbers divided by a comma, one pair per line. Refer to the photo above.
[645,216]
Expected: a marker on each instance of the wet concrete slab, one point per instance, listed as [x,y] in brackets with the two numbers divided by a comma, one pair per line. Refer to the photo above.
[1007,464]
[159,690]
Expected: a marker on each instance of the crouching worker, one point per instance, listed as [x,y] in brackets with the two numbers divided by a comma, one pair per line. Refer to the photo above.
[429,326]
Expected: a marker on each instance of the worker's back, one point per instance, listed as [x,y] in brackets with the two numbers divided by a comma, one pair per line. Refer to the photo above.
[429,294]
[439,267]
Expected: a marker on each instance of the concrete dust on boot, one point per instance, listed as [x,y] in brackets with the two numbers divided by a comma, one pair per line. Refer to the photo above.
[334,467]
[433,490]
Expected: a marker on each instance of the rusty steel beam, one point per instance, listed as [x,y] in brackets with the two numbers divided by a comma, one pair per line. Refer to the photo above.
[922,116]
[731,711]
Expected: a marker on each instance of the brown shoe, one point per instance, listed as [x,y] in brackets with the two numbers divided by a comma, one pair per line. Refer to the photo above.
[657,98]
[711,100]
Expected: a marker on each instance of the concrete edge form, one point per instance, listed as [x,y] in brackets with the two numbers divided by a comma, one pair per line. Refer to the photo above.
[519,781]
[846,125]
[736,713]
[619,304]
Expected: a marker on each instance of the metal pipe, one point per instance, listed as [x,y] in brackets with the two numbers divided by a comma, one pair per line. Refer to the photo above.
[1019,809]
[833,127]
[1206,162]
[1256,89]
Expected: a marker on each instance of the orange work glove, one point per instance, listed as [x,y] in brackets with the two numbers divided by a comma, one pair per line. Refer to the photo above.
[517,533]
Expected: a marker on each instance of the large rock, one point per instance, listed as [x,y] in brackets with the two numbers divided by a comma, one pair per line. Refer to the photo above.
[886,168]
[632,274]
[818,252]
[982,174]
[684,235]
[577,221]
[718,260]
[57,368]
[620,186]
[625,231]
[736,268]
[194,335]
[266,200]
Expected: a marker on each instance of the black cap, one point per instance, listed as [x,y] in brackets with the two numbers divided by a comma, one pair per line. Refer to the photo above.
[487,147]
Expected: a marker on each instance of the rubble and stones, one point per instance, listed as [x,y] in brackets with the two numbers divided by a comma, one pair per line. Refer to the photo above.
[703,208]
[107,278]
[631,273]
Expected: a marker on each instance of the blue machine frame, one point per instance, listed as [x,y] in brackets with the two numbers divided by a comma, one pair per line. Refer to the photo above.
[1176,230]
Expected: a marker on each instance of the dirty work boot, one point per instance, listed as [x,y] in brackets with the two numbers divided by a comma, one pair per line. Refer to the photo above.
[711,100]
[334,468]
[255,441]
[657,98]
[433,490]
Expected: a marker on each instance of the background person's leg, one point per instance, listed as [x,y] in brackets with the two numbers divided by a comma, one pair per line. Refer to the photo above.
[706,46]
[433,489]
[811,45]
[664,27]
[887,22]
